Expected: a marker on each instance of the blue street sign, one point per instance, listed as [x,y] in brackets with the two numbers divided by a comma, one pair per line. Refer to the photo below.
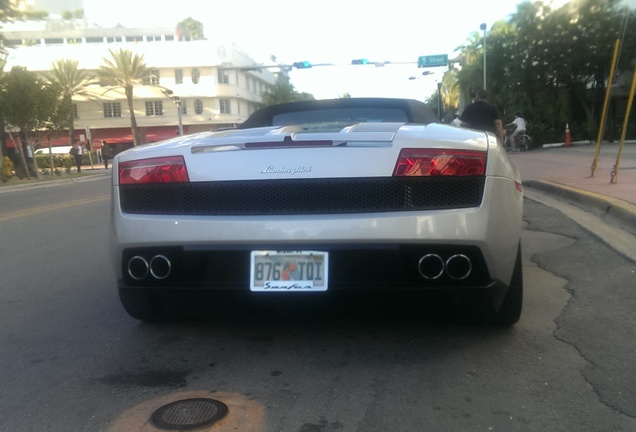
[432,60]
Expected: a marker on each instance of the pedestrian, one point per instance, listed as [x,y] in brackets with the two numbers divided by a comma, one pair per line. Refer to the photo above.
[106,154]
[78,154]
[483,116]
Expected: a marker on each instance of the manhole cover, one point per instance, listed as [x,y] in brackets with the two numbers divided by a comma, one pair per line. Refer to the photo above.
[189,414]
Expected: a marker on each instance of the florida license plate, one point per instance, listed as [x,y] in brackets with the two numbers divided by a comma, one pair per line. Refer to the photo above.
[289,271]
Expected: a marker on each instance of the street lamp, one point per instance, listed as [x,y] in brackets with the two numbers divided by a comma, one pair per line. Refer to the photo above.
[177,102]
[483,27]
[439,100]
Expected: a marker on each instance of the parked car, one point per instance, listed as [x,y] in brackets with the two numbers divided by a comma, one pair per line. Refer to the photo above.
[344,194]
[54,150]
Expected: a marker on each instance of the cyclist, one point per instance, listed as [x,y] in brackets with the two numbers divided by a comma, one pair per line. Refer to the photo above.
[519,125]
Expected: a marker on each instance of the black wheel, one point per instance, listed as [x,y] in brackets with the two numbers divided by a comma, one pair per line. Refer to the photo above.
[525,143]
[141,304]
[510,310]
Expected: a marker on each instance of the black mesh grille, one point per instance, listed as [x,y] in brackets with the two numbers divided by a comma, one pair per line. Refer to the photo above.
[304,196]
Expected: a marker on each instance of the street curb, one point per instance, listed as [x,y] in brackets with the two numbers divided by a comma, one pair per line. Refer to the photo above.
[580,143]
[54,182]
[617,209]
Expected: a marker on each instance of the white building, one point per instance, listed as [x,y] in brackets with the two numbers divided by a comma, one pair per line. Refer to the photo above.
[216,84]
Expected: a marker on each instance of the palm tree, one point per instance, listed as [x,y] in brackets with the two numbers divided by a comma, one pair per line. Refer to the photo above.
[72,82]
[125,70]
[473,49]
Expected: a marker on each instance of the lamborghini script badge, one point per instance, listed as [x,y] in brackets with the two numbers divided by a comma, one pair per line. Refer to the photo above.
[282,170]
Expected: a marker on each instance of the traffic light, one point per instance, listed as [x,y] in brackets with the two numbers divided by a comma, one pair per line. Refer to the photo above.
[302,65]
[359,61]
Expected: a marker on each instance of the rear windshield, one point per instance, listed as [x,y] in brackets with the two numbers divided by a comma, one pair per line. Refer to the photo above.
[342,116]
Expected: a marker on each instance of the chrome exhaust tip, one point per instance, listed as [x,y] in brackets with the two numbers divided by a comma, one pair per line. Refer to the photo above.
[459,267]
[160,267]
[431,266]
[138,267]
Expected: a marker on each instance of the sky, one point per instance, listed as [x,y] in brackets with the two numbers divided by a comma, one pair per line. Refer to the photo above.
[328,31]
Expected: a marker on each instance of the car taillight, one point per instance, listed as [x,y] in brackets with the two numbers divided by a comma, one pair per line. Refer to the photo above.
[169,169]
[431,162]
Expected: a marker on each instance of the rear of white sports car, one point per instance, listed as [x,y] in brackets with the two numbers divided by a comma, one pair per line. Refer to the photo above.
[371,206]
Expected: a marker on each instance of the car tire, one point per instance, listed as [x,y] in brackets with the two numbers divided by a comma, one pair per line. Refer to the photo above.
[510,310]
[142,304]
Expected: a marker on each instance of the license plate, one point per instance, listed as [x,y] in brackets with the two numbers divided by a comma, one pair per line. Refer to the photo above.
[289,271]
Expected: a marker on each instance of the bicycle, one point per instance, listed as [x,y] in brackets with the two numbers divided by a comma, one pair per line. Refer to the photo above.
[522,141]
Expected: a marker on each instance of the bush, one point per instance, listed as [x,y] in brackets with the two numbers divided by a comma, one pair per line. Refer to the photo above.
[7,169]
[65,161]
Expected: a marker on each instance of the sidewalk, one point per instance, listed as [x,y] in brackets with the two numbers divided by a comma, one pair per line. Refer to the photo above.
[567,173]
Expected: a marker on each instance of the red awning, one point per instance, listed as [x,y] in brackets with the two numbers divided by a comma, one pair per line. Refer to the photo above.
[110,136]
[43,141]
[124,135]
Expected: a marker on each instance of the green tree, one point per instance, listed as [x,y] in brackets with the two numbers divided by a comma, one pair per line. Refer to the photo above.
[552,64]
[30,105]
[283,91]
[73,82]
[7,14]
[125,70]
[190,29]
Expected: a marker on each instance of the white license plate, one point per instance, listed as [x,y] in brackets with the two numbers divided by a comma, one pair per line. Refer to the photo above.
[289,271]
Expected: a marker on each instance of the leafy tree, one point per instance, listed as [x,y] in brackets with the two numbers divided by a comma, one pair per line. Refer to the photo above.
[7,14]
[190,29]
[30,104]
[125,70]
[76,14]
[552,64]
[73,82]
[283,91]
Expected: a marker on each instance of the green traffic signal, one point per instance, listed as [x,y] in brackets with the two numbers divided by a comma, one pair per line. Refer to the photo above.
[302,65]
[359,61]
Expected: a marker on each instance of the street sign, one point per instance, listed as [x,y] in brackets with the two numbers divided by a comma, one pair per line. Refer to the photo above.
[432,60]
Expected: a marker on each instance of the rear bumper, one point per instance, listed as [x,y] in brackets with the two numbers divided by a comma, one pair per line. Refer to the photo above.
[351,267]
[367,251]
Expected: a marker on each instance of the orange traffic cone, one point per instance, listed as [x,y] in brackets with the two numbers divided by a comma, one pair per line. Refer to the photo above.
[568,137]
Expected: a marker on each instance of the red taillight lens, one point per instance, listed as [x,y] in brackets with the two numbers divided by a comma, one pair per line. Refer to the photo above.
[169,169]
[431,162]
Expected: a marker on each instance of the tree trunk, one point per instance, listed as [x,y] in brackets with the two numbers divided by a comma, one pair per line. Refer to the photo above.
[20,147]
[133,120]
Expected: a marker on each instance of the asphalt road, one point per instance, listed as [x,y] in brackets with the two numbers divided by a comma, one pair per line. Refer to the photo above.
[72,360]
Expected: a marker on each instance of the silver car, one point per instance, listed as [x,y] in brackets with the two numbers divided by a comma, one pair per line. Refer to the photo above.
[320,196]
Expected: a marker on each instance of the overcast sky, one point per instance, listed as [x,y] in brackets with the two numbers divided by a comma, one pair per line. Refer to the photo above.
[327,31]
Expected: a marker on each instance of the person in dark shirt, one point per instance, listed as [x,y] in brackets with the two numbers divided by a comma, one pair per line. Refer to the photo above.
[483,116]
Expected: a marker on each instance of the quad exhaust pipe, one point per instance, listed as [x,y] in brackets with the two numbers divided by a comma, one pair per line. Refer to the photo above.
[159,267]
[457,267]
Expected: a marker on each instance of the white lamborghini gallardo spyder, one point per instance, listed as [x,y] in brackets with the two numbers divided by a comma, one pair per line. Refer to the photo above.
[320,196]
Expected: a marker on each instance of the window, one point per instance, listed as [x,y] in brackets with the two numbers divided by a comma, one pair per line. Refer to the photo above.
[112,109]
[178,76]
[153,77]
[198,106]
[223,77]
[225,106]
[196,74]
[154,108]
